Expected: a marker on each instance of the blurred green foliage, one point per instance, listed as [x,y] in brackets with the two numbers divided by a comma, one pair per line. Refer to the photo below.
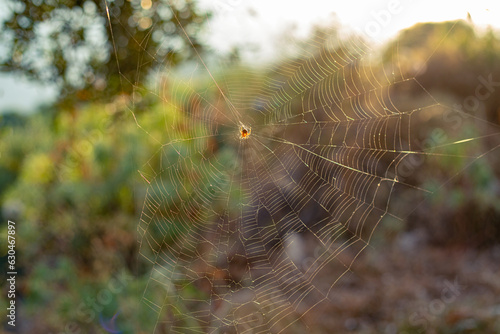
[73,189]
[93,50]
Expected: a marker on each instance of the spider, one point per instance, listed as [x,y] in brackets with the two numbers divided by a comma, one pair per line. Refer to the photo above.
[245,131]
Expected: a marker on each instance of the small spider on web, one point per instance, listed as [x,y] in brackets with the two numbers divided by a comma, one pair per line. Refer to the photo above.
[245,131]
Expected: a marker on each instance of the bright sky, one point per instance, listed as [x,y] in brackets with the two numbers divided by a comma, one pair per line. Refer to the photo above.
[260,23]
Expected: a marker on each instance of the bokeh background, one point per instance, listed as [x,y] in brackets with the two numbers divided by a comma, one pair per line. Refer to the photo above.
[89,112]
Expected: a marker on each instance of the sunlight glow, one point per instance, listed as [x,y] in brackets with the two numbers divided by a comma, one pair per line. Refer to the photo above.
[259,24]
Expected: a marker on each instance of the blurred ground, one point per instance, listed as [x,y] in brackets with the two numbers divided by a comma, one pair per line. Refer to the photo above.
[411,287]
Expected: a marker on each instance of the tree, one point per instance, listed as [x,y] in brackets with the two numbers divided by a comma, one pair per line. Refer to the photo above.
[95,49]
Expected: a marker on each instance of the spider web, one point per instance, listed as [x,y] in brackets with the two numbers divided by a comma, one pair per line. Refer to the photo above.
[252,235]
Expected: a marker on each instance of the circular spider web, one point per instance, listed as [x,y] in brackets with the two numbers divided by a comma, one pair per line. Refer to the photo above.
[269,183]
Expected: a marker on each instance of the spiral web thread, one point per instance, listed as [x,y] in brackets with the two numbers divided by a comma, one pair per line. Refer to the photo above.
[249,235]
